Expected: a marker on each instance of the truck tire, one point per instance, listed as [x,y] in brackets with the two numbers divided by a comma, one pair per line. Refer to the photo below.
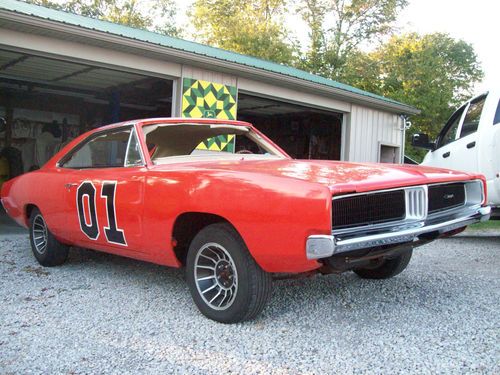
[388,268]
[47,250]
[226,283]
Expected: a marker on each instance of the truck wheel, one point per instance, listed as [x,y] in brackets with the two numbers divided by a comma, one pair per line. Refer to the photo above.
[48,251]
[226,283]
[388,268]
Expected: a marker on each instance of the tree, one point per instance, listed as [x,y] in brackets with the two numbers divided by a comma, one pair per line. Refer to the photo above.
[433,72]
[250,27]
[338,27]
[154,15]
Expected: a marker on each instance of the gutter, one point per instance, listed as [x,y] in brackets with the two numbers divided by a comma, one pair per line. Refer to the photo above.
[204,61]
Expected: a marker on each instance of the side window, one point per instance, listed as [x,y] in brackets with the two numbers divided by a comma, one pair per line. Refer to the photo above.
[472,117]
[133,156]
[449,132]
[105,150]
[496,120]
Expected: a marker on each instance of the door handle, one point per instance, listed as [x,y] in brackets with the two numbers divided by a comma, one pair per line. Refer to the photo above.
[446,154]
[471,145]
[69,186]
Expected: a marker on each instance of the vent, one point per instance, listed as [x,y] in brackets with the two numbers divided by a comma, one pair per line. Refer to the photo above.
[416,203]
[365,209]
[446,196]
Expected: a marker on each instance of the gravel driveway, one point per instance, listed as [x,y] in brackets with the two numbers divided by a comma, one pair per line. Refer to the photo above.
[100,313]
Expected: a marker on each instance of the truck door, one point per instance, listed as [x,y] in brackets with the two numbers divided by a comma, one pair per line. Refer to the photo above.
[445,153]
[466,147]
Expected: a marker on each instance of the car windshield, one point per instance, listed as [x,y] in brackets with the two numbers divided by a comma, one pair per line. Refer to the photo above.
[168,142]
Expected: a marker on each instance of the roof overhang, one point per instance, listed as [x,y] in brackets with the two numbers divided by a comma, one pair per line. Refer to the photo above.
[55,29]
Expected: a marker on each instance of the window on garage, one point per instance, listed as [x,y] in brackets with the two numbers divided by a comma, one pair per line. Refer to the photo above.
[389,154]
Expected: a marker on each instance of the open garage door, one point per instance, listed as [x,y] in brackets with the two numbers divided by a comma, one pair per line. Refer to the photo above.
[303,132]
[46,102]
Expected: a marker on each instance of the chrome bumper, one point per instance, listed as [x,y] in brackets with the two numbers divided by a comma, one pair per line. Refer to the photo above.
[324,246]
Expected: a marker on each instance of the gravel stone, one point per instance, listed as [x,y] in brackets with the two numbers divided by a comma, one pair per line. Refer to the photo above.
[100,313]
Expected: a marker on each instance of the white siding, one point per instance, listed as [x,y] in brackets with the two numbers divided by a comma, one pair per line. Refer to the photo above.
[210,76]
[368,128]
[83,53]
[267,90]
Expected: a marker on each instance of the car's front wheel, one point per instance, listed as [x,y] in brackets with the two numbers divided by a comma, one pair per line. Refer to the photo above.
[386,268]
[47,250]
[226,283]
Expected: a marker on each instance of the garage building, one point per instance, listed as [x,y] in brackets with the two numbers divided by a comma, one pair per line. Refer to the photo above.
[63,74]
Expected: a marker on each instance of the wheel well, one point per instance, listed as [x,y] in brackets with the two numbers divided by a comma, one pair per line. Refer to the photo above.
[29,210]
[186,226]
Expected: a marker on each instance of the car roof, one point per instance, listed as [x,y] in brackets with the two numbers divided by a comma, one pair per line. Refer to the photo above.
[175,120]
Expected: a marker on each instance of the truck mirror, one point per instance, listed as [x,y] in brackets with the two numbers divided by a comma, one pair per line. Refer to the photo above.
[3,124]
[421,140]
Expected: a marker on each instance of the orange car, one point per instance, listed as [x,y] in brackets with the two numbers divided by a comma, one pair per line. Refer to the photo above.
[153,190]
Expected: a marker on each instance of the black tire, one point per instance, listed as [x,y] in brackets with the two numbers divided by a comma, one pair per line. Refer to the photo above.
[52,253]
[388,268]
[251,285]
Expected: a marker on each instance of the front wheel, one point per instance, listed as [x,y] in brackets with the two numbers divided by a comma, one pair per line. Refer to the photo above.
[226,283]
[386,268]
[47,250]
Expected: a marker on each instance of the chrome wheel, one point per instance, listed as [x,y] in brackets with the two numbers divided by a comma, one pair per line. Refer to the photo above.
[40,236]
[215,276]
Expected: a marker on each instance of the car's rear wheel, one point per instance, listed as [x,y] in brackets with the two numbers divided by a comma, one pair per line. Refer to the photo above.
[47,250]
[386,268]
[226,283]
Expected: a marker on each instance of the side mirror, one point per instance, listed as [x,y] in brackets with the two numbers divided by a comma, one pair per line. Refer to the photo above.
[3,124]
[421,140]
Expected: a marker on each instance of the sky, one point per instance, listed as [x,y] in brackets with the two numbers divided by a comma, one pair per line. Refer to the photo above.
[475,21]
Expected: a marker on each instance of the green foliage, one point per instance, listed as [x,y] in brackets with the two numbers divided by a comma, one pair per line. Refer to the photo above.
[141,14]
[338,27]
[250,27]
[433,72]
[490,225]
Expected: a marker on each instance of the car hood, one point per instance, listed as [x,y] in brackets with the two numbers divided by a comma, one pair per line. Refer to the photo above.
[339,177]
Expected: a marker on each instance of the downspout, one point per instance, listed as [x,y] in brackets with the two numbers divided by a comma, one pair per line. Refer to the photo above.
[404,128]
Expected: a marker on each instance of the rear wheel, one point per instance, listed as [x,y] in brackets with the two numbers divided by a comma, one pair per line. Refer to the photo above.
[226,283]
[47,250]
[386,268]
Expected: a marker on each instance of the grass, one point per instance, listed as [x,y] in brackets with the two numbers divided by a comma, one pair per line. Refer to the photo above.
[487,225]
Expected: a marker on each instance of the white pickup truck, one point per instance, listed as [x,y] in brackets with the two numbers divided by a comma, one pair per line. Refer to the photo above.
[470,141]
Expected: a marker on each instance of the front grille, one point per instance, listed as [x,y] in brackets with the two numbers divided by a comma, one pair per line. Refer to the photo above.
[444,197]
[367,209]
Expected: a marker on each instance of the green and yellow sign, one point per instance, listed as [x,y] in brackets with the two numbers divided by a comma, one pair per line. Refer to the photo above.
[202,99]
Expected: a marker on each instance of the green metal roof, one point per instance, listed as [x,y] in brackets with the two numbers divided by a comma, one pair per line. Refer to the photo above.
[179,44]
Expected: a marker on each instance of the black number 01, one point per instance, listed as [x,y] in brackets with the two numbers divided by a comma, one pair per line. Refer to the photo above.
[90,226]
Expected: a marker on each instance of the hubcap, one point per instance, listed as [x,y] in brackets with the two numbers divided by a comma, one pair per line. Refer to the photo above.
[39,232]
[215,276]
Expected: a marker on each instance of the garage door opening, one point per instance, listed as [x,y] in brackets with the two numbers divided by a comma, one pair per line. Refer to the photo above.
[303,132]
[47,102]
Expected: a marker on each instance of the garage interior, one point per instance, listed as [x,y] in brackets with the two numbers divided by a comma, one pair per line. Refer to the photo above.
[303,132]
[47,102]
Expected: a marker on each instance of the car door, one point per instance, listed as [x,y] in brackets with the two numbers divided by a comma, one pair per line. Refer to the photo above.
[465,149]
[104,191]
[445,152]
